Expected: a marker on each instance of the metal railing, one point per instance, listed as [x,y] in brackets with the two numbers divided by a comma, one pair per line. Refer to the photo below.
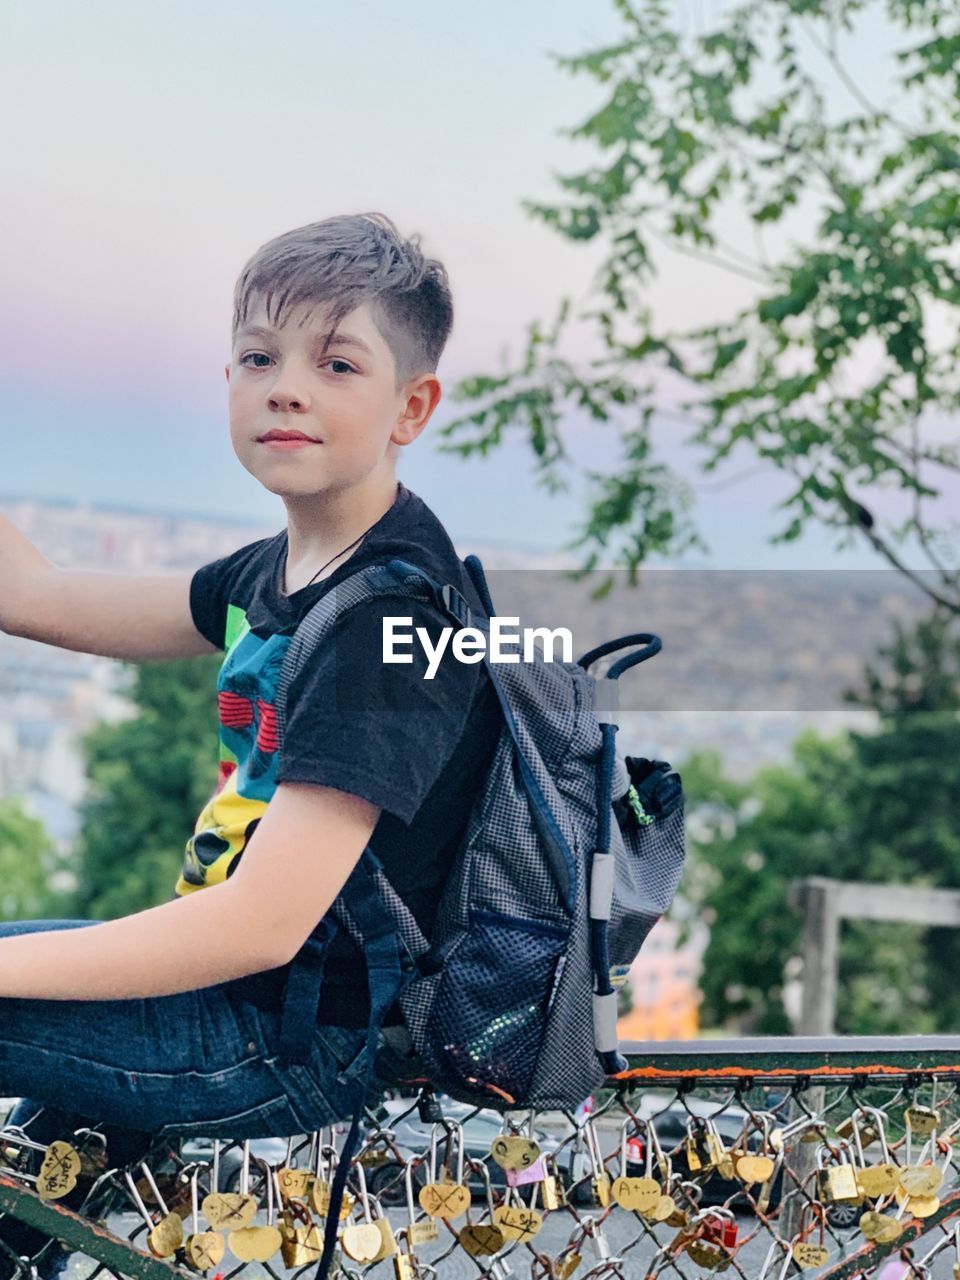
[759,1158]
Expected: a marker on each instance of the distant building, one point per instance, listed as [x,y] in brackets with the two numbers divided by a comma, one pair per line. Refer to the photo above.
[663,988]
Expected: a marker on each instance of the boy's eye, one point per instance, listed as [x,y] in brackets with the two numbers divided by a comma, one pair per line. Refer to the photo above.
[255,359]
[343,366]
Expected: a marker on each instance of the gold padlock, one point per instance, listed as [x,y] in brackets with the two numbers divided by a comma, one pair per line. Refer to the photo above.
[836,1183]
[921,1120]
[551,1188]
[631,1192]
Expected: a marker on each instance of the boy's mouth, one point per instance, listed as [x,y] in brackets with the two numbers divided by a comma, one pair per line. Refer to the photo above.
[279,439]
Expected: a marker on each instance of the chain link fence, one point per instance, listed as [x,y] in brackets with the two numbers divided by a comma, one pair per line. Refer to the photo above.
[756,1158]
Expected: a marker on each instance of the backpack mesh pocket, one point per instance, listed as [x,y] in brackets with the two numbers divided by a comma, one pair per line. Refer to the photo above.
[495,989]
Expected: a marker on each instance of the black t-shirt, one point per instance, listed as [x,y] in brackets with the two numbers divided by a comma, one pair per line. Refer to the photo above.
[416,748]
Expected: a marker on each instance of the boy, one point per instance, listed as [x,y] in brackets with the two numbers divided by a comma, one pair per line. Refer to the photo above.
[154,1022]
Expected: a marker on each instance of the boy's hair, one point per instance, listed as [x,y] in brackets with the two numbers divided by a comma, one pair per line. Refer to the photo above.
[343,262]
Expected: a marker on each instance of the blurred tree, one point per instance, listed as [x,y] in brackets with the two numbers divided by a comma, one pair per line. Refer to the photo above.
[842,371]
[149,778]
[874,807]
[28,868]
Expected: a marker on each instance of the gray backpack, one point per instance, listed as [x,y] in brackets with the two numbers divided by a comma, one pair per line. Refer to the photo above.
[570,856]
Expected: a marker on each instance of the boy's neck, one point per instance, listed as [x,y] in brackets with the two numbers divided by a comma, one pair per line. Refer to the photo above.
[320,527]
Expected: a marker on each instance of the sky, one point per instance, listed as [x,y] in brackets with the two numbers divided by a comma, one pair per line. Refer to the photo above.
[154,147]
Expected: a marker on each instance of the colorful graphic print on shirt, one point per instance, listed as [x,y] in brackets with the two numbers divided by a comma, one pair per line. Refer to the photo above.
[246,699]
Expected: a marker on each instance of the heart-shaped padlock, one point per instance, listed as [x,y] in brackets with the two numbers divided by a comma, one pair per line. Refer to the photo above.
[447,1200]
[807,1254]
[166,1237]
[663,1210]
[254,1244]
[920,1179]
[639,1195]
[361,1241]
[880,1227]
[228,1210]
[204,1250]
[481,1240]
[58,1172]
[517,1222]
[514,1152]
[754,1168]
[878,1180]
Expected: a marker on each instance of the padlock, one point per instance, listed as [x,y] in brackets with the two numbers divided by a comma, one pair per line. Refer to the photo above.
[324,1159]
[810,1254]
[482,1239]
[293,1182]
[836,1183]
[704,1146]
[637,1195]
[856,1121]
[768,1262]
[301,1241]
[880,1227]
[921,1120]
[600,1183]
[362,1241]
[658,1163]
[752,1166]
[91,1147]
[429,1108]
[594,1232]
[551,1188]
[705,1239]
[59,1171]
[876,1180]
[720,1227]
[250,1243]
[918,1183]
[416,1232]
[204,1249]
[765,1194]
[444,1196]
[388,1241]
[516,1220]
[164,1237]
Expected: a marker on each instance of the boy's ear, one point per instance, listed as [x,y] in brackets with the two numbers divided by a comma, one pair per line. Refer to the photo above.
[423,396]
[226,370]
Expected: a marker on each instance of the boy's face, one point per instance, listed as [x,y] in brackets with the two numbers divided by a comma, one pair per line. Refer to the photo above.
[305,421]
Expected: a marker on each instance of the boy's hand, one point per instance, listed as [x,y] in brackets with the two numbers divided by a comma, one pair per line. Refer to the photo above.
[112,614]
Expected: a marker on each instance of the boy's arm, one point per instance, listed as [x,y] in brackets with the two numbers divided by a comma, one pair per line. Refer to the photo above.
[299,858]
[113,614]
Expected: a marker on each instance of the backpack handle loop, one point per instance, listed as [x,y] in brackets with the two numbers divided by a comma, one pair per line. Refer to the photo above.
[651,645]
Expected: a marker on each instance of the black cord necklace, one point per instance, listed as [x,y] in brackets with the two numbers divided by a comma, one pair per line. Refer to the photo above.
[337,556]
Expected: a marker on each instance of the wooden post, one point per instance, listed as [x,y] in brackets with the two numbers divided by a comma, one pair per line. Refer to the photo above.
[817,1016]
[822,925]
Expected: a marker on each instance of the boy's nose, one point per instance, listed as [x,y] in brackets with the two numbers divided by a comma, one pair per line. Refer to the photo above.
[289,393]
[283,403]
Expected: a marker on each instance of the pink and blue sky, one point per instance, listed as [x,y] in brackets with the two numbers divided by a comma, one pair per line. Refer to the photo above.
[149,149]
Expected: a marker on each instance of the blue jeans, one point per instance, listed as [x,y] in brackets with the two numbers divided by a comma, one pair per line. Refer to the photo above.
[204,1062]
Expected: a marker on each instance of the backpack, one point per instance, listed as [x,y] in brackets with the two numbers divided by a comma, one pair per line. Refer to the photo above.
[570,856]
